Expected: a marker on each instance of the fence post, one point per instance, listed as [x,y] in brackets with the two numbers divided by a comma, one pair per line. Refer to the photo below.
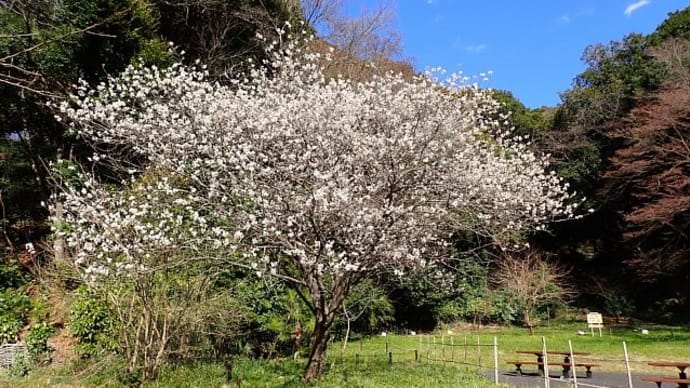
[390,357]
[627,364]
[443,347]
[416,355]
[433,341]
[387,348]
[464,348]
[452,350]
[572,363]
[495,360]
[428,347]
[421,345]
[545,362]
[479,355]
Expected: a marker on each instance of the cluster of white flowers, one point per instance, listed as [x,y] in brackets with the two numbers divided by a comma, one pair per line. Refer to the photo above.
[333,176]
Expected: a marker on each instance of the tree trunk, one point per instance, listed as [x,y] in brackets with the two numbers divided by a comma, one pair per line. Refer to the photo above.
[59,243]
[317,357]
[527,321]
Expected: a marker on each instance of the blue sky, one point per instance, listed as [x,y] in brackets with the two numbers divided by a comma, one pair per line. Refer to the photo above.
[533,47]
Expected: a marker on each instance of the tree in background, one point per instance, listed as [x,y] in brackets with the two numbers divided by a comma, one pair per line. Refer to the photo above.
[360,46]
[532,281]
[526,122]
[620,137]
[224,34]
[47,46]
[370,36]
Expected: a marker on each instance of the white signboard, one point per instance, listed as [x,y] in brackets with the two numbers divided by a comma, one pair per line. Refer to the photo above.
[595,321]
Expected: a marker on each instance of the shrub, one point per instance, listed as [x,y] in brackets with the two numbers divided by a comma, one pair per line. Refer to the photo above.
[37,342]
[14,312]
[92,323]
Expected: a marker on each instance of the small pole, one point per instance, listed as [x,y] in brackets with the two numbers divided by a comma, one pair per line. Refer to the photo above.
[546,364]
[452,350]
[390,357]
[421,345]
[416,355]
[360,344]
[464,348]
[495,360]
[627,365]
[443,344]
[479,355]
[356,358]
[548,317]
[387,349]
[572,363]
[428,347]
[433,341]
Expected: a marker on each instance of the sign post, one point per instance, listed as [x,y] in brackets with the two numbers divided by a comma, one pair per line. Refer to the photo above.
[595,321]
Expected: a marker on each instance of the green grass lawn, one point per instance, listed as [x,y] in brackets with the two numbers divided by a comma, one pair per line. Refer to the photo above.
[365,363]
[662,343]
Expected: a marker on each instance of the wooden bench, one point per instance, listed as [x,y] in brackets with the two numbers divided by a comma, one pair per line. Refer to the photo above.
[565,365]
[683,383]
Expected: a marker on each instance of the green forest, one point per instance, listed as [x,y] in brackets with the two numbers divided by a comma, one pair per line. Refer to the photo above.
[135,228]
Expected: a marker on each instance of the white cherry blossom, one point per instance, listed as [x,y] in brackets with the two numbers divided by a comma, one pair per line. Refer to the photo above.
[317,180]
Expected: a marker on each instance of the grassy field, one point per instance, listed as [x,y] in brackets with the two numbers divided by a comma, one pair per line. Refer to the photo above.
[365,361]
[662,343]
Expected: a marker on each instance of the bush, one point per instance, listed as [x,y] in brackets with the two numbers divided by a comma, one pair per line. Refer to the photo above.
[37,342]
[92,323]
[367,308]
[618,305]
[274,315]
[10,275]
[14,313]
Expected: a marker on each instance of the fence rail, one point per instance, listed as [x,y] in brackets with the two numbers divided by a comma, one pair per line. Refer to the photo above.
[10,353]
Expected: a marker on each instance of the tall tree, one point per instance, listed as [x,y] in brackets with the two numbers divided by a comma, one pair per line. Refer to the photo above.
[46,46]
[620,137]
[317,181]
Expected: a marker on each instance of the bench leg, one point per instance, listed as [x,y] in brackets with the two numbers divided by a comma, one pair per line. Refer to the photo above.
[589,372]
[518,369]
[566,371]
[540,365]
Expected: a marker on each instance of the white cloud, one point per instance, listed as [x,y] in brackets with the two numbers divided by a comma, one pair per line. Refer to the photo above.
[476,48]
[459,44]
[569,18]
[565,19]
[586,12]
[635,6]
